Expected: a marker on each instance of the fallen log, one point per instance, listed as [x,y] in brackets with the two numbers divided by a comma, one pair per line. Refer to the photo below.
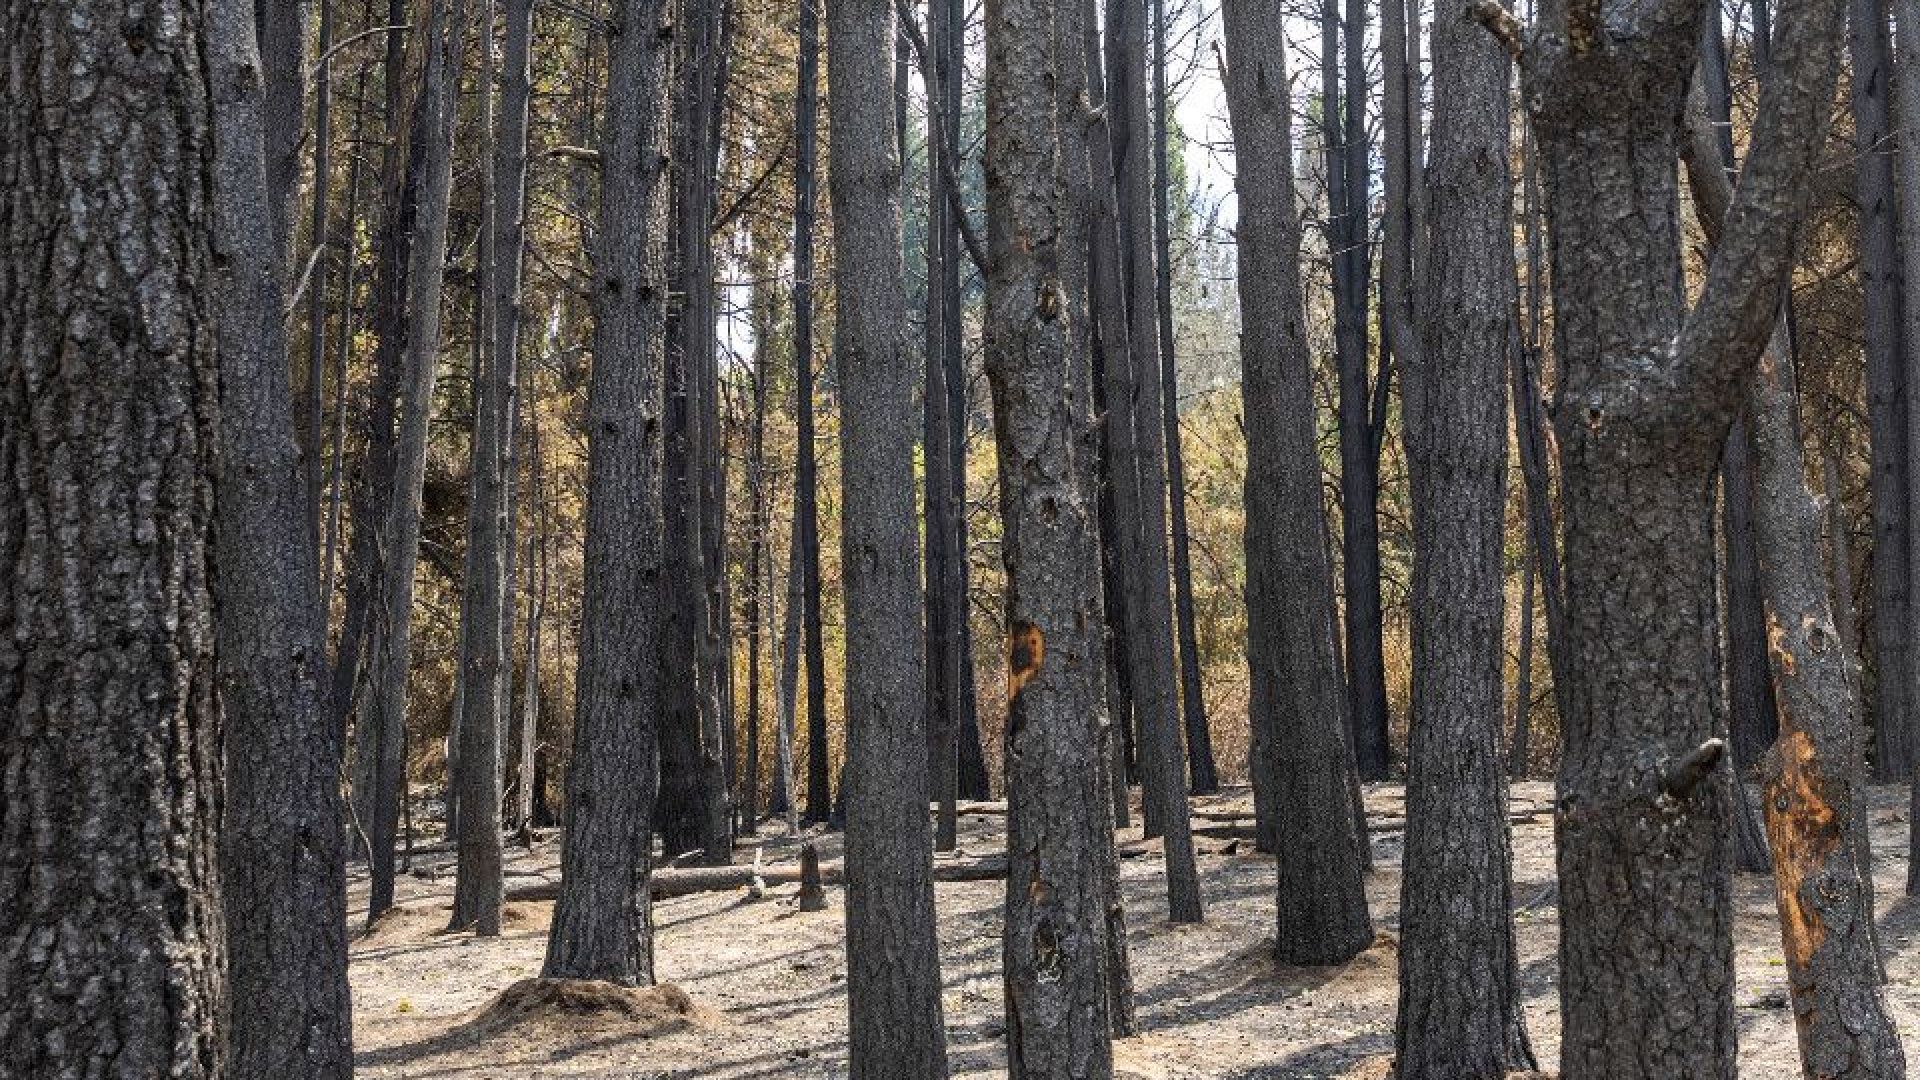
[686,881]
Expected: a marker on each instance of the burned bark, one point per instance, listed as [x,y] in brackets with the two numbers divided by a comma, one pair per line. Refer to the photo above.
[1301,764]
[602,922]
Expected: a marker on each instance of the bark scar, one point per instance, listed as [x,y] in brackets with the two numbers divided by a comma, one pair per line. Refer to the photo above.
[1026,651]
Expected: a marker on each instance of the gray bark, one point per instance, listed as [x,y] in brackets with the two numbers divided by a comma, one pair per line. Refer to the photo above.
[283,863]
[1648,392]
[1155,678]
[1203,775]
[1303,771]
[386,714]
[485,670]
[602,925]
[806,512]
[1812,776]
[1058,824]
[946,601]
[1894,754]
[281,40]
[1348,244]
[1460,1014]
[111,945]
[893,961]
[372,480]
[1752,717]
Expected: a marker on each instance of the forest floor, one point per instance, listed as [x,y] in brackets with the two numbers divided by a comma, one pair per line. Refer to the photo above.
[765,994]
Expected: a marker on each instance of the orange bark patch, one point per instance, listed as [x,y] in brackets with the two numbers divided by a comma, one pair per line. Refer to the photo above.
[1026,650]
[1777,645]
[1803,832]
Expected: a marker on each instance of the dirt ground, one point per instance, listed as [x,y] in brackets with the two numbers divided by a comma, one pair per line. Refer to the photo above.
[765,996]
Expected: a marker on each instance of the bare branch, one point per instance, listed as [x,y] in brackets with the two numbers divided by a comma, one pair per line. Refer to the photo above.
[1698,764]
[1502,24]
[581,154]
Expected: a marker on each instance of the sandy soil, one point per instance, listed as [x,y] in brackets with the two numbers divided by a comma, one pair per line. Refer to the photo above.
[764,982]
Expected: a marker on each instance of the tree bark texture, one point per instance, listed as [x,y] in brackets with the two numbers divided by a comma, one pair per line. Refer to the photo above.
[283,861]
[893,960]
[806,512]
[485,669]
[111,944]
[1154,672]
[602,926]
[1894,754]
[1203,774]
[1648,391]
[386,716]
[1301,764]
[1460,1015]
[1812,776]
[1058,827]
[1347,199]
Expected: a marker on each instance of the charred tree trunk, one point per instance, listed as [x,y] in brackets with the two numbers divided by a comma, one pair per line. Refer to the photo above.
[945,597]
[1203,775]
[1752,717]
[112,950]
[1058,824]
[694,813]
[1301,764]
[282,857]
[1155,680]
[602,920]
[1460,1014]
[1813,782]
[1894,756]
[806,511]
[893,961]
[373,480]
[1118,496]
[388,656]
[1648,393]
[1347,242]
[486,617]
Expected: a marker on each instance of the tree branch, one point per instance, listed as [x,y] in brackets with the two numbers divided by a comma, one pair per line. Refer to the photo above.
[1729,326]
[1698,764]
[1502,24]
[976,253]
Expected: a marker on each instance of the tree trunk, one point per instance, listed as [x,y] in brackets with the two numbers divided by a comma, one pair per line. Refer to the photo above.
[1894,755]
[373,481]
[1359,462]
[282,853]
[1203,776]
[694,813]
[1815,811]
[760,529]
[112,950]
[280,27]
[1752,717]
[426,258]
[1520,747]
[1155,681]
[1648,392]
[602,923]
[485,668]
[945,604]
[1906,85]
[806,512]
[310,421]
[893,961]
[1118,493]
[1058,823]
[1460,1002]
[1301,766]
